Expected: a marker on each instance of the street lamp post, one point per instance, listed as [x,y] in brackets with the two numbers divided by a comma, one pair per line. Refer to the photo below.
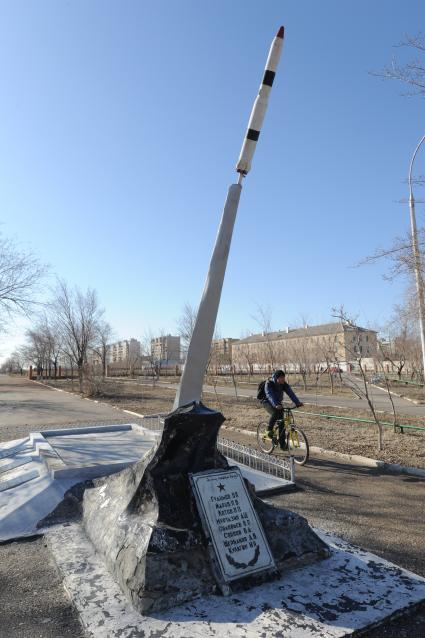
[417,257]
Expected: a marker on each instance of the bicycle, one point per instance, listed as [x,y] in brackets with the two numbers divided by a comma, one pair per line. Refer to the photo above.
[295,440]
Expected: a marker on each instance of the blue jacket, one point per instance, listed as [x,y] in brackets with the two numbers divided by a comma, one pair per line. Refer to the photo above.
[275,391]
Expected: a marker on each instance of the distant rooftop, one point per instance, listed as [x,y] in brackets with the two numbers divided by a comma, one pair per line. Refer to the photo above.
[307,331]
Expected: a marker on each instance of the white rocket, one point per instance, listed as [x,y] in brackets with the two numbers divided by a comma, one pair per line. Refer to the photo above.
[260,105]
[190,388]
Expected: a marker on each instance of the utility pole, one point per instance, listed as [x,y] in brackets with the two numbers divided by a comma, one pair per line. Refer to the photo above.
[417,258]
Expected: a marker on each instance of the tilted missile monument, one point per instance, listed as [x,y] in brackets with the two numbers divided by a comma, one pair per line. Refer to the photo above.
[185,523]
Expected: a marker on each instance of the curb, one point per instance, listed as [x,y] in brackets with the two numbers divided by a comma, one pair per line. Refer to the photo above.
[394,394]
[394,468]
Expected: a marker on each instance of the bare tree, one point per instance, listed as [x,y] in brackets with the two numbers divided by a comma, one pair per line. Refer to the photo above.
[8,366]
[300,354]
[133,358]
[328,349]
[103,337]
[36,350]
[404,349]
[411,72]
[263,317]
[400,256]
[78,316]
[355,350]
[398,346]
[48,331]
[148,352]
[20,276]
[381,358]
[186,325]
[18,360]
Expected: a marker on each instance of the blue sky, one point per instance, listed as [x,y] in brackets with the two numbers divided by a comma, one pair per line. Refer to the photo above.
[121,123]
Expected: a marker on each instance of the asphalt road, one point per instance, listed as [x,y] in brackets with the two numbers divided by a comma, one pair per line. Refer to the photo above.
[380,399]
[381,512]
[26,405]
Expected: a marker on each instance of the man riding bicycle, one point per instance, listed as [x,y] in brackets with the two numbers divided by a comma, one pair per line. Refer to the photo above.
[274,389]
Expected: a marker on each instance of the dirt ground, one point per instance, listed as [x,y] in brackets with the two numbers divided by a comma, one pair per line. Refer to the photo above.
[348,437]
[33,601]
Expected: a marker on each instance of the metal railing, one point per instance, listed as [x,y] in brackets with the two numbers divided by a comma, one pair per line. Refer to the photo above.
[154,422]
[248,456]
[281,468]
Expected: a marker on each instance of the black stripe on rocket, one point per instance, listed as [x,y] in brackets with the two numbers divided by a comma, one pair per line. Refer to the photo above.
[252,134]
[268,78]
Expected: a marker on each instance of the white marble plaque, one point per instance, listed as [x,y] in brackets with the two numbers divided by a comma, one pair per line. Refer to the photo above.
[231,521]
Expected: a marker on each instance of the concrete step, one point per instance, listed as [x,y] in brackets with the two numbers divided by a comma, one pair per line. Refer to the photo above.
[15,477]
[10,463]
[13,447]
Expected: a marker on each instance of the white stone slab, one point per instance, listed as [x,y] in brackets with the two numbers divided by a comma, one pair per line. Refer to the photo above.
[16,477]
[100,448]
[15,461]
[351,590]
[30,490]
[12,447]
[264,483]
[231,523]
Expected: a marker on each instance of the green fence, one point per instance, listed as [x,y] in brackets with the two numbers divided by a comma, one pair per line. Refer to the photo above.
[357,420]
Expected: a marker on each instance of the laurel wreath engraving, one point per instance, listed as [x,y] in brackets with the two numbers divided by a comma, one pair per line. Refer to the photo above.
[252,562]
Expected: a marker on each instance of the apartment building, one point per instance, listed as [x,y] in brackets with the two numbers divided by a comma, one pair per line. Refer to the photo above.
[221,353]
[306,347]
[166,349]
[128,349]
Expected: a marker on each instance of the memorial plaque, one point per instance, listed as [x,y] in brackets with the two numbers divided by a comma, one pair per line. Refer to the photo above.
[231,522]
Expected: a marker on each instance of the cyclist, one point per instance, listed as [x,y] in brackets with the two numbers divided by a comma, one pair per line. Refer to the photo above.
[274,389]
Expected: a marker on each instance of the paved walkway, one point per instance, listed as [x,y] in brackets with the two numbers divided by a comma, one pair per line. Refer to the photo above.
[26,406]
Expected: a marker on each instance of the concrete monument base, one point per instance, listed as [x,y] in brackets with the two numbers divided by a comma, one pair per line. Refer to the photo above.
[145,522]
[336,598]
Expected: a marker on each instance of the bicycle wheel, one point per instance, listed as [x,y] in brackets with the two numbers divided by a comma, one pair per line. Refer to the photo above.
[298,445]
[265,443]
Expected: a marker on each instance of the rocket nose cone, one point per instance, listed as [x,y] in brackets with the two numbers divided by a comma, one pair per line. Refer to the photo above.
[280,32]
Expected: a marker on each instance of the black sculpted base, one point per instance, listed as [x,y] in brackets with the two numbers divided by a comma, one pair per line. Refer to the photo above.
[145,523]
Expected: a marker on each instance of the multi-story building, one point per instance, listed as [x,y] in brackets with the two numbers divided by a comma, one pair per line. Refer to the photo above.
[166,349]
[223,347]
[306,348]
[128,349]
[221,353]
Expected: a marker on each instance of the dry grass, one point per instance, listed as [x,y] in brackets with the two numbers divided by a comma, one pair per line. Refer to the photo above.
[243,416]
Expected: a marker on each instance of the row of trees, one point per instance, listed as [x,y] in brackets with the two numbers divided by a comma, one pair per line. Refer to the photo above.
[69,327]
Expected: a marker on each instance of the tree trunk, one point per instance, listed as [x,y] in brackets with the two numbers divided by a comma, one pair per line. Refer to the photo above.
[80,376]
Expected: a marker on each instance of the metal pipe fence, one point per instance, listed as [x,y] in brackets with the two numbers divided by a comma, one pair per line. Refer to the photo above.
[257,460]
[340,417]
